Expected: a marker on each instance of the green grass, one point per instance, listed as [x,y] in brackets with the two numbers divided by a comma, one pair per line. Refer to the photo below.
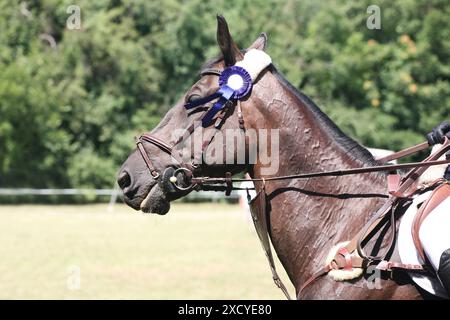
[196,251]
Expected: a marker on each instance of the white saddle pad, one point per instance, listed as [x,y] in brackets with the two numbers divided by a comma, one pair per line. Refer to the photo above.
[407,250]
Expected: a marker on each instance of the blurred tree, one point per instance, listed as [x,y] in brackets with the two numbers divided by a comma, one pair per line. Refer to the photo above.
[71,100]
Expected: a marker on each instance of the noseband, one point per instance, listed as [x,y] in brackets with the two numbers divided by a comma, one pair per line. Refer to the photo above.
[156,142]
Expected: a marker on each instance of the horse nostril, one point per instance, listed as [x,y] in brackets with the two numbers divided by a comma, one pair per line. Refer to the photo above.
[124,180]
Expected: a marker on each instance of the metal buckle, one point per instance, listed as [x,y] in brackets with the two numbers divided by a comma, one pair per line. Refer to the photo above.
[155,174]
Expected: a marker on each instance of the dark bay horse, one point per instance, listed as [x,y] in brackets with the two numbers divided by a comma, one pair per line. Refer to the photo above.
[307,217]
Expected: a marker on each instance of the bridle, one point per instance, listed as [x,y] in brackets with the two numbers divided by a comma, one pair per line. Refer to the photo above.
[188,168]
[345,257]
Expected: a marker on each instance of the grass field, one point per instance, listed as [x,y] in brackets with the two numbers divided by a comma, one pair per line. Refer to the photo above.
[196,251]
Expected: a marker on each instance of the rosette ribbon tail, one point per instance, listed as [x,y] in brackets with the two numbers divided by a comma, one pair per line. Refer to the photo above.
[234,84]
[226,94]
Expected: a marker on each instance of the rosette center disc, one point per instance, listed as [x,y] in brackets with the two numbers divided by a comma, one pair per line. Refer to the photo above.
[235,82]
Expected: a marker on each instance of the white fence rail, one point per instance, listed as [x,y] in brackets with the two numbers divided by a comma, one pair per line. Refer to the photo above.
[113,193]
[46,192]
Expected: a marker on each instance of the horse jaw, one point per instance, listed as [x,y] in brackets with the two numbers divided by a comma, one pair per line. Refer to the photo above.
[155,201]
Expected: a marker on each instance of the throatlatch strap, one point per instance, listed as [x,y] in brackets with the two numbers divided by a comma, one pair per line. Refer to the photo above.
[260,220]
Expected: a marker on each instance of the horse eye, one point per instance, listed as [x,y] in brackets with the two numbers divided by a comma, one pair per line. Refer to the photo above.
[192,98]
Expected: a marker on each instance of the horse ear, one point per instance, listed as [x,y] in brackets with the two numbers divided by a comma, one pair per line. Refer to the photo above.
[260,43]
[230,51]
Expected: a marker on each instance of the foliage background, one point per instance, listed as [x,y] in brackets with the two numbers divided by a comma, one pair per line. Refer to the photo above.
[68,114]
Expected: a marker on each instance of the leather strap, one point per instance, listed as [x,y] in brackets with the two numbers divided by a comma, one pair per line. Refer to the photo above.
[148,162]
[240,116]
[210,71]
[406,184]
[318,274]
[258,209]
[404,152]
[157,142]
[390,266]
[335,173]
[347,258]
[393,180]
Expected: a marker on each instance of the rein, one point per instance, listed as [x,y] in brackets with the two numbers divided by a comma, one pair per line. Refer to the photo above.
[204,181]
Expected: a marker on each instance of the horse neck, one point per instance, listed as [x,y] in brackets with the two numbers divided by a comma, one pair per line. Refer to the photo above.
[307,217]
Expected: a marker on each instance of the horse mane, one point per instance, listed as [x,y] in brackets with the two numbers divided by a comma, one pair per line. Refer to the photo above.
[350,146]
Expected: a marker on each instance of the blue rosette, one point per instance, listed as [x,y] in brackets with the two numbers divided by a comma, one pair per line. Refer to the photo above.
[238,79]
[234,84]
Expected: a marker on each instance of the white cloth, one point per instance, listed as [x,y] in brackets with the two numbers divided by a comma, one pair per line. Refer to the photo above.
[254,62]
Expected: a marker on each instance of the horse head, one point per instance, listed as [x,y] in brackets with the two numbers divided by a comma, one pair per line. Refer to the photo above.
[186,141]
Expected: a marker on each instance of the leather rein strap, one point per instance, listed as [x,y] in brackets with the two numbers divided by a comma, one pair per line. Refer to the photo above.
[404,152]
[334,173]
